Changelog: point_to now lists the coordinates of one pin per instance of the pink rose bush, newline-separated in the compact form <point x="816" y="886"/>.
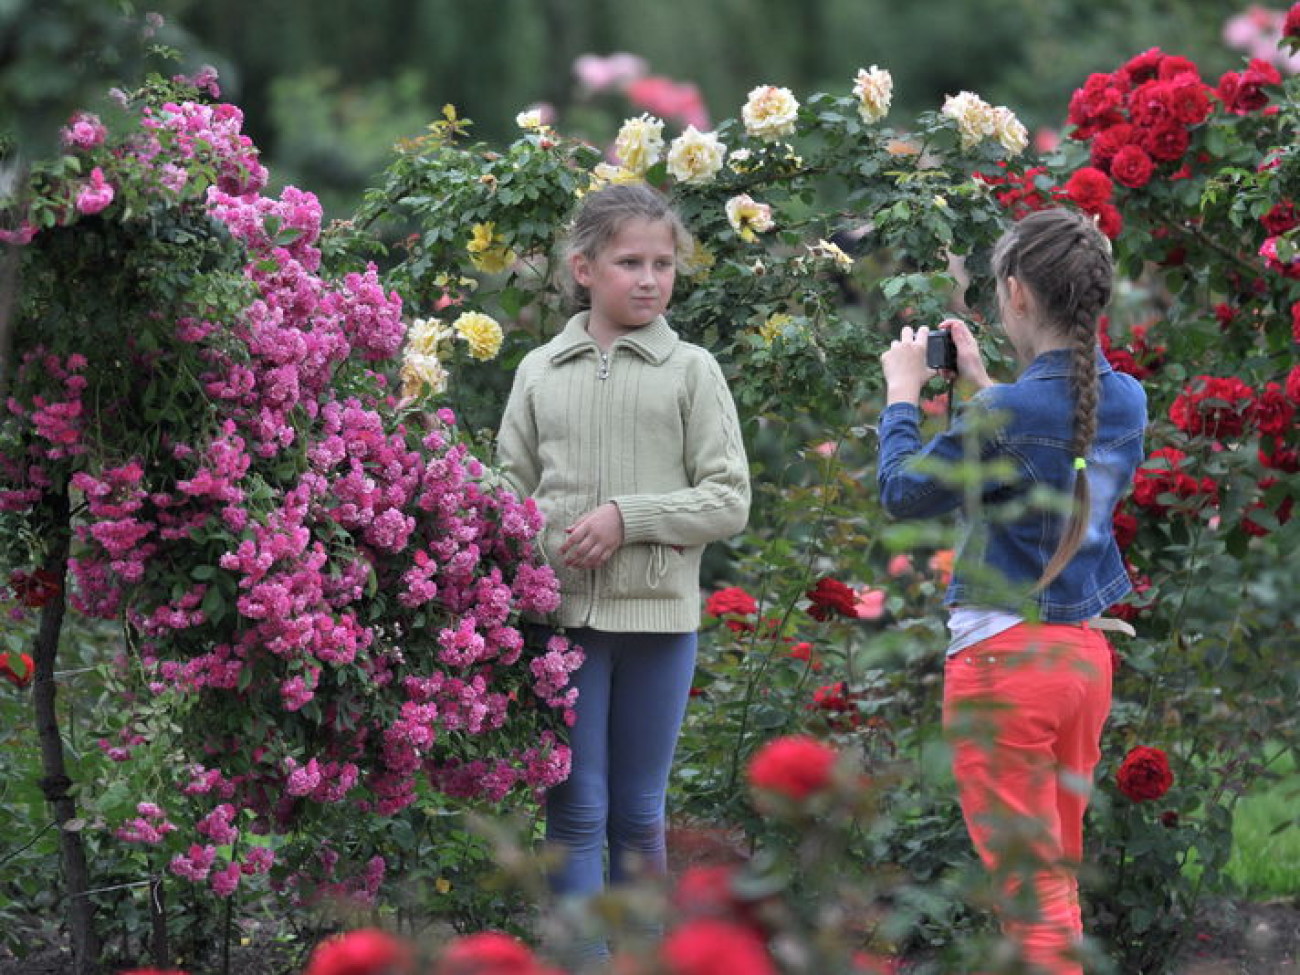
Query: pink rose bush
<point x="325" y="591"/>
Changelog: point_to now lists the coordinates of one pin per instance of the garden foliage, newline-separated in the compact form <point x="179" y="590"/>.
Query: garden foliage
<point x="318" y="583"/>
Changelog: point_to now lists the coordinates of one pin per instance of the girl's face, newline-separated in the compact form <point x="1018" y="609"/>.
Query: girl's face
<point x="631" y="278"/>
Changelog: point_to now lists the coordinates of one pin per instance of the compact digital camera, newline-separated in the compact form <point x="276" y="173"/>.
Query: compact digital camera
<point x="941" y="350"/>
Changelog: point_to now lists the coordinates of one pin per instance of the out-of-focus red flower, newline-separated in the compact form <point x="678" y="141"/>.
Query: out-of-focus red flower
<point x="1213" y="405"/>
<point x="16" y="668"/>
<point x="1144" y="774"/>
<point x="733" y="599"/>
<point x="366" y="951"/>
<point x="869" y="963"/>
<point x="1126" y="528"/>
<point x="490" y="953"/>
<point x="707" y="946"/>
<point x="34" y="589"/>
<point x="795" y="766"/>
<point x="830" y="597"/>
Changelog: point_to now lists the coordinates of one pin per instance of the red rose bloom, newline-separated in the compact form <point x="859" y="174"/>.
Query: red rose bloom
<point x="1132" y="167"/>
<point x="1279" y="219"/>
<point x="489" y="953"/>
<point x="1166" y="143"/>
<point x="795" y="766"/>
<point x="1110" y="141"/>
<point x="367" y="951"/>
<point x="1152" y="104"/>
<point x="1214" y="406"/>
<point x="1293" y="384"/>
<point x="709" y="945"/>
<point x="19" y="676"/>
<point x="1090" y="188"/>
<point x="830" y="596"/>
<point x="1126" y="528"/>
<point x="731" y="600"/>
<point x="1109" y="220"/>
<point x="1096" y="106"/>
<point x="34" y="589"/>
<point x="1291" y="27"/>
<point x="1144" y="774"/>
<point x="1272" y="413"/>
<point x="1143" y="67"/>
<point x="1161" y="476"/>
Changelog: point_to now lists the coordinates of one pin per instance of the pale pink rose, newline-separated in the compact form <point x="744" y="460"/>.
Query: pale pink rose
<point x="899" y="565"/>
<point x="597" y="73"/>
<point x="870" y="603"/>
<point x="826" y="449"/>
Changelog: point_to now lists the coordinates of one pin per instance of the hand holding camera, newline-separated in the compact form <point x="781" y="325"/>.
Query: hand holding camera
<point x="916" y="355"/>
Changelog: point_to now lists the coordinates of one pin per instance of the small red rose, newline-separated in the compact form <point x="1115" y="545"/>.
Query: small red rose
<point x="1144" y="774"/>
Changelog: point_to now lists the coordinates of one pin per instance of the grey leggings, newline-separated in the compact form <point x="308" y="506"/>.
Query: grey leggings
<point x="632" y="694"/>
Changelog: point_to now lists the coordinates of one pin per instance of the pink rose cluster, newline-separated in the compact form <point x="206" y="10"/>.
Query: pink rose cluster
<point x="295" y="553"/>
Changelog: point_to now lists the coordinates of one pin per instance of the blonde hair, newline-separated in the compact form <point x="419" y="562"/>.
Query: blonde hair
<point x="1065" y="262"/>
<point x="600" y="215"/>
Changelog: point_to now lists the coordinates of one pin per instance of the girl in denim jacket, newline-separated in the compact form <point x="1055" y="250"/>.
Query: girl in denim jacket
<point x="1027" y="681"/>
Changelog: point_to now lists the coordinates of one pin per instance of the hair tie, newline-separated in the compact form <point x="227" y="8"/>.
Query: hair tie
<point x="1080" y="464"/>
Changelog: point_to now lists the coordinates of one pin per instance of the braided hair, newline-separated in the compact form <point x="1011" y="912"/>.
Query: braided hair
<point x="1065" y="262"/>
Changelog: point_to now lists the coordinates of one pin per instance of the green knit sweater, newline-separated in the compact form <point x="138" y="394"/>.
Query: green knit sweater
<point x="651" y="427"/>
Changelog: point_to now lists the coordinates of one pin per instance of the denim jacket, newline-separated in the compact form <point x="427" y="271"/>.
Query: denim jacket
<point x="1027" y="426"/>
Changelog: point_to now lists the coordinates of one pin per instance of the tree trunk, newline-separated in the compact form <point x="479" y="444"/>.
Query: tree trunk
<point x="55" y="782"/>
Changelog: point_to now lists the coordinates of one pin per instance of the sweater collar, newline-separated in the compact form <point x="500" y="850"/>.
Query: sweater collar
<point x="654" y="342"/>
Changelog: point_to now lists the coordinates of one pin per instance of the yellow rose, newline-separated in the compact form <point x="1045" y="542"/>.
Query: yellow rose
<point x="487" y="250"/>
<point x="639" y="143"/>
<point x="774" y="326"/>
<point x="748" y="217"/>
<point x="481" y="332"/>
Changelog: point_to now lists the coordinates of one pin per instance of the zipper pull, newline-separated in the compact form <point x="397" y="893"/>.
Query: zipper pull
<point x="603" y="371"/>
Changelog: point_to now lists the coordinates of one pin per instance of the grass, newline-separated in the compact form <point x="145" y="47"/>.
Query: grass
<point x="1265" y="862"/>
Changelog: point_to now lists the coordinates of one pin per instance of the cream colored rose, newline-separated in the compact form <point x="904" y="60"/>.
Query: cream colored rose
<point x="695" y="157"/>
<point x="874" y="89"/>
<point x="426" y="335"/>
<point x="640" y="143"/>
<point x="747" y="217"/>
<point x="481" y="332"/>
<point x="770" y="112"/>
<point x="973" y="115"/>
<point x="420" y="371"/>
<point x="529" y="119"/>
<point x="1009" y="131"/>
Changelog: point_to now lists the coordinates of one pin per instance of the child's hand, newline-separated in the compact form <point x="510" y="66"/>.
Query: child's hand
<point x="970" y="364"/>
<point x="593" y="538"/>
<point x="904" y="363"/>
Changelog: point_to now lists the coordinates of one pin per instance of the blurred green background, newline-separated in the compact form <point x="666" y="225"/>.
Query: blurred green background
<point x="327" y="86"/>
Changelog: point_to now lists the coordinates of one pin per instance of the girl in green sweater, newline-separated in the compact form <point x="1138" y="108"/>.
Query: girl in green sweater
<point x="627" y="438"/>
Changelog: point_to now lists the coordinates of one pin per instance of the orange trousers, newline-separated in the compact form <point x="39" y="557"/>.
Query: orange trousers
<point x="1024" y="712"/>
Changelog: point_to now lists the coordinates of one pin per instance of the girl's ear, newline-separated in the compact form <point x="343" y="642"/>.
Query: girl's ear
<point x="580" y="268"/>
<point x="1018" y="295"/>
